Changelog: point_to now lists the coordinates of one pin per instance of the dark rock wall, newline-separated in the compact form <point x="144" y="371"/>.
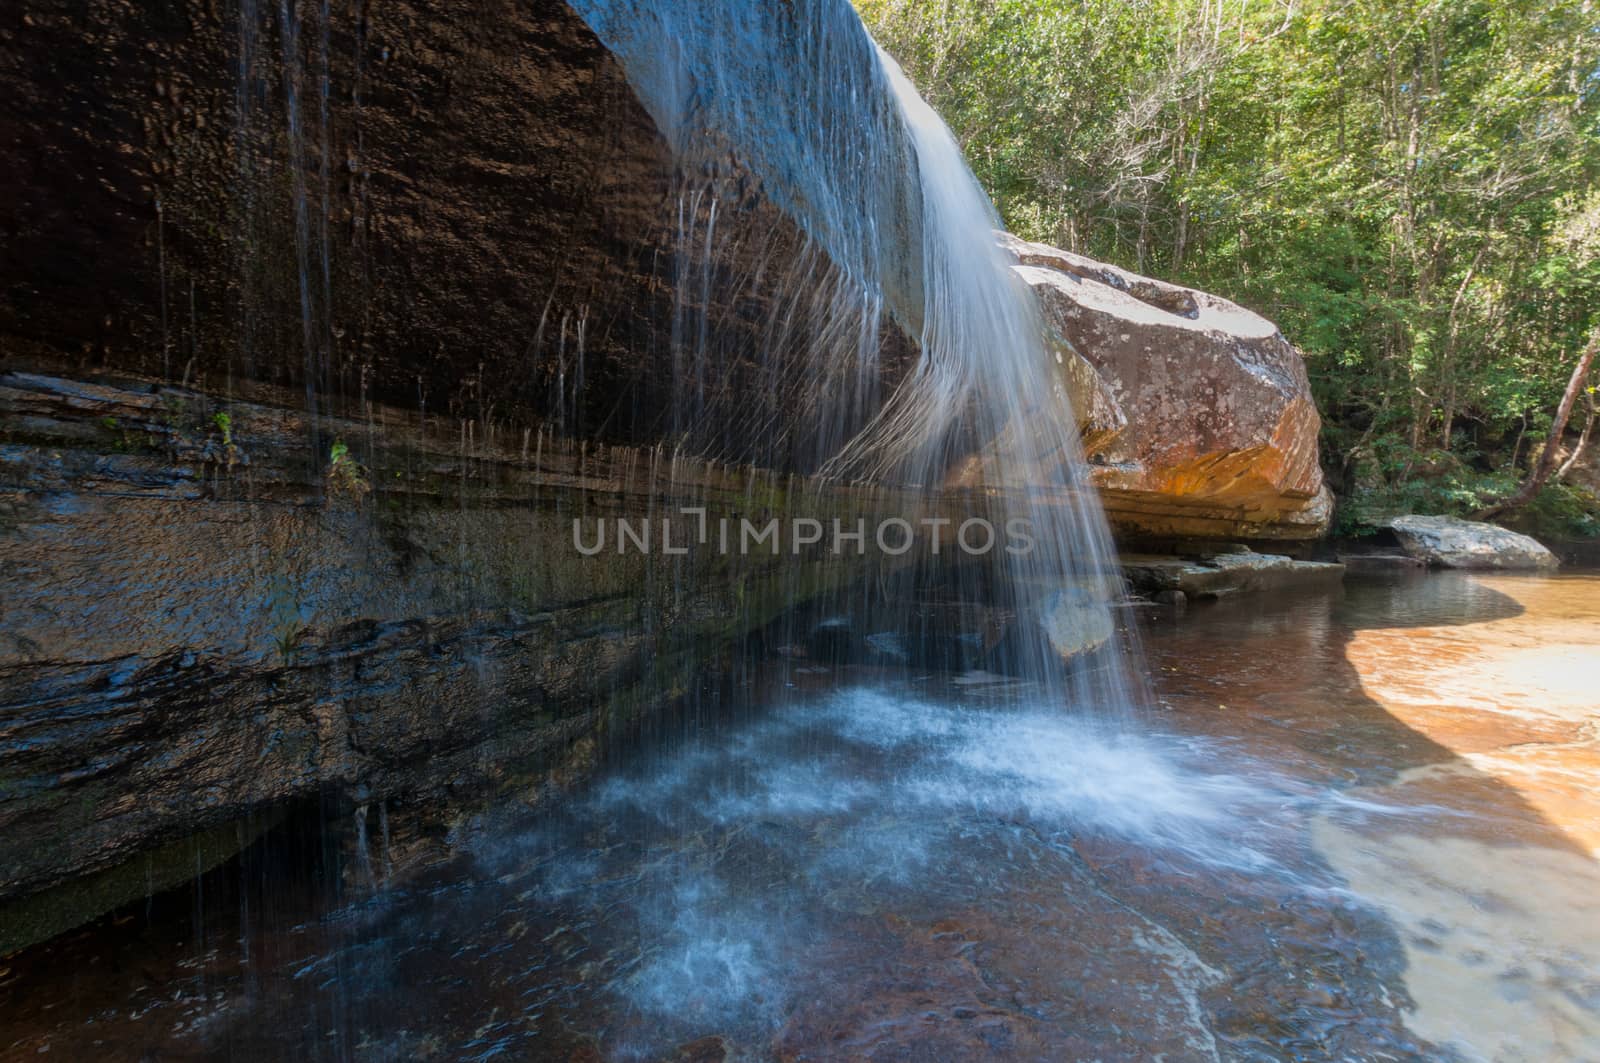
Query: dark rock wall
<point x="471" y="166"/>
<point x="447" y="239"/>
<point x="458" y="209"/>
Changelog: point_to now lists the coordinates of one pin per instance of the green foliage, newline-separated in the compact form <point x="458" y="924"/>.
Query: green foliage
<point x="1408" y="187"/>
<point x="345" y="474"/>
<point x="1562" y="511"/>
<point x="130" y="437"/>
<point x="230" y="454"/>
<point x="287" y="642"/>
<point x="286" y="614"/>
<point x="1395" y="479"/>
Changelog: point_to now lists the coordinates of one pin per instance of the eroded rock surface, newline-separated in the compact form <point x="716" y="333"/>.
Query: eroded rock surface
<point x="1196" y="413"/>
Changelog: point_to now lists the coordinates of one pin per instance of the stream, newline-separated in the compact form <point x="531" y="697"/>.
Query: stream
<point x="1354" y="825"/>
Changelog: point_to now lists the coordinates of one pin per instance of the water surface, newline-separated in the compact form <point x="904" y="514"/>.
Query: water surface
<point x="1356" y="826"/>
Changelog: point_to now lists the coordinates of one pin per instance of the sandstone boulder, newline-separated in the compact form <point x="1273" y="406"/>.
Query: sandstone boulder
<point x="1196" y="413"/>
<point x="1450" y="543"/>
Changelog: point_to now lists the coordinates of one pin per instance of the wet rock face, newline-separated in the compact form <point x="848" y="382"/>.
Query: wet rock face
<point x="1197" y="414"/>
<point x="1445" y="542"/>
<point x="463" y="211"/>
<point x="181" y="199"/>
<point x="201" y="618"/>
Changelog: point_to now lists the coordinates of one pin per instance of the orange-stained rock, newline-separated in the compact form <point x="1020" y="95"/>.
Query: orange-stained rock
<point x="1197" y="418"/>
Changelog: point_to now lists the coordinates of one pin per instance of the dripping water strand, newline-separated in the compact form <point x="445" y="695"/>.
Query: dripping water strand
<point x="292" y="78"/>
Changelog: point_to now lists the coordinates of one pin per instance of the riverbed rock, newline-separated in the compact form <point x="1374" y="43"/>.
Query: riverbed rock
<point x="1223" y="575"/>
<point x="1196" y="413"/>
<point x="1446" y="542"/>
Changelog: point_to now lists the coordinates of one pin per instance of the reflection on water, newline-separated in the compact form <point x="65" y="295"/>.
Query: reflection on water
<point x="1357" y="828"/>
<point x="1475" y="697"/>
<point x="1502" y="951"/>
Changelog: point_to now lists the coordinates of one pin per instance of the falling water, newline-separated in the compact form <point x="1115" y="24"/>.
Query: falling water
<point x="897" y="233"/>
<point x="246" y="91"/>
<point x="984" y="354"/>
<point x="821" y="144"/>
<point x="294" y="71"/>
<point x="161" y="252"/>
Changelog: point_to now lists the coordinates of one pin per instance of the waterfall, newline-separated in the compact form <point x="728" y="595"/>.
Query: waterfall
<point x="897" y="233"/>
<point x="746" y="100"/>
<point x="984" y="354"/>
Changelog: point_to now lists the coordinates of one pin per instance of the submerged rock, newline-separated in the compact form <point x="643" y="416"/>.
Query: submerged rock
<point x="1450" y="543"/>
<point x="1174" y="580"/>
<point x="1076" y="622"/>
<point x="1381" y="564"/>
<point x="1196" y="414"/>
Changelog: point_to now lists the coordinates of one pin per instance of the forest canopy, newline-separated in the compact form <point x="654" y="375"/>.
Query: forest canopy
<point x="1407" y="188"/>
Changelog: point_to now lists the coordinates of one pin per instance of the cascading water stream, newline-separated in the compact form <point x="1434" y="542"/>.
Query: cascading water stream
<point x="898" y="230"/>
<point x="984" y="356"/>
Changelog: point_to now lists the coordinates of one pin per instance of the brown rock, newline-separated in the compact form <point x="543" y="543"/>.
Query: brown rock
<point x="1198" y="418"/>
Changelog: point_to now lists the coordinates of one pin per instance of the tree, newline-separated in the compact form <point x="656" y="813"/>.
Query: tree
<point x="1546" y="464"/>
<point x="1393" y="181"/>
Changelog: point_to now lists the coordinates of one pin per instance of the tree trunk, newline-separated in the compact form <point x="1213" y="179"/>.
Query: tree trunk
<point x="1447" y="367"/>
<point x="1583" y="438"/>
<point x="1547" y="458"/>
